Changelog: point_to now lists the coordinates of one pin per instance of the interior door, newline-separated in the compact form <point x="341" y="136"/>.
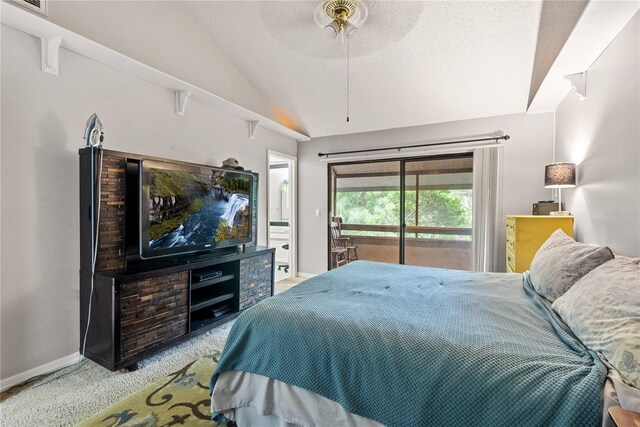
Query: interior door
<point x="281" y="214"/>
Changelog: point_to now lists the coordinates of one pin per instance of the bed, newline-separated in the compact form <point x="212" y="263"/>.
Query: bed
<point x="379" y="344"/>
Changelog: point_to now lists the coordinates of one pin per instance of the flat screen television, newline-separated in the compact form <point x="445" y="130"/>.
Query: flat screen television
<point x="186" y="208"/>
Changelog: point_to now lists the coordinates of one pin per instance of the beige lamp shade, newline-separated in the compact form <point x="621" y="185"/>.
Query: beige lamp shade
<point x="560" y="175"/>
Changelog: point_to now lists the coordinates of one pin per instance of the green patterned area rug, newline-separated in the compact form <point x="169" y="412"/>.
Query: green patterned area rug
<point x="181" y="398"/>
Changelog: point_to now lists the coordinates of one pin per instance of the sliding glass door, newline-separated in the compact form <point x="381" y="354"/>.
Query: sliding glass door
<point x="410" y="211"/>
<point x="438" y="206"/>
<point x="366" y="208"/>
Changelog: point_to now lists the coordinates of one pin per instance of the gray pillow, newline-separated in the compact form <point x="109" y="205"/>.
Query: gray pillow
<point x="561" y="261"/>
<point x="603" y="311"/>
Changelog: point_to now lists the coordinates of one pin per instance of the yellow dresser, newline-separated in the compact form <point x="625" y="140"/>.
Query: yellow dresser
<point x="525" y="235"/>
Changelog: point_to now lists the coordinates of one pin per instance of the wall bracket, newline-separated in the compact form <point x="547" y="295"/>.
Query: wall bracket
<point x="12" y="15"/>
<point x="181" y="101"/>
<point x="579" y="82"/>
<point x="50" y="54"/>
<point x="253" y="127"/>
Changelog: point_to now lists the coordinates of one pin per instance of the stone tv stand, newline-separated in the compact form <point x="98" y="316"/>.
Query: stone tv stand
<point x="140" y="307"/>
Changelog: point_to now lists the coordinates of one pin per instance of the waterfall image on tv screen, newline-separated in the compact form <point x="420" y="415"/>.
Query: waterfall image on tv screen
<point x="193" y="209"/>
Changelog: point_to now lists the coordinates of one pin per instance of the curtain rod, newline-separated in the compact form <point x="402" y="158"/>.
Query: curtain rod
<point x="370" y="150"/>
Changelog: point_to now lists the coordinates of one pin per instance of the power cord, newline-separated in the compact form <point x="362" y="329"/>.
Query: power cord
<point x="95" y="232"/>
<point x="76" y="368"/>
<point x="94" y="134"/>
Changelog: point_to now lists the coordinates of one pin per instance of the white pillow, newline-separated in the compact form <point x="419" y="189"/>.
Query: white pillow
<point x="603" y="311"/>
<point x="561" y="262"/>
<point x="633" y="260"/>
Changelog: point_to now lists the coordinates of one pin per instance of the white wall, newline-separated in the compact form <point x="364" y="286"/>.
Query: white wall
<point x="602" y="135"/>
<point x="525" y="155"/>
<point x="43" y="120"/>
<point x="165" y="36"/>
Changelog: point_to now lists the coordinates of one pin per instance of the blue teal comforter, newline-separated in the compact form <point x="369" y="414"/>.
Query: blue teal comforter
<point x="409" y="346"/>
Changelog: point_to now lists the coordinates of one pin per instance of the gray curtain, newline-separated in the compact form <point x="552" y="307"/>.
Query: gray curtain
<point x="487" y="207"/>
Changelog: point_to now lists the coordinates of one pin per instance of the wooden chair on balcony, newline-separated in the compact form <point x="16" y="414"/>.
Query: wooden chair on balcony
<point x="342" y="242"/>
<point x="339" y="254"/>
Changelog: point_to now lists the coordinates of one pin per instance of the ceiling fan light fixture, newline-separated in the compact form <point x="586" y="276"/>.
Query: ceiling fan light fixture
<point x="340" y="37"/>
<point x="332" y="30"/>
<point x="349" y="30"/>
<point x="343" y="16"/>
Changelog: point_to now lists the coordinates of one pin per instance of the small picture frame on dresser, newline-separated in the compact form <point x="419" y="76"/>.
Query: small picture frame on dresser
<point x="545" y="208"/>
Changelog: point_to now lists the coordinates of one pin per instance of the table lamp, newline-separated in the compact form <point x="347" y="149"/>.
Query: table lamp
<point x="560" y="175"/>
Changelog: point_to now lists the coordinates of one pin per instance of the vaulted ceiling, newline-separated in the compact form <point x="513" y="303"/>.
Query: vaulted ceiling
<point x="412" y="63"/>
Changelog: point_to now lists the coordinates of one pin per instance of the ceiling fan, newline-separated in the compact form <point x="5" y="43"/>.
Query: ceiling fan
<point x="340" y="18"/>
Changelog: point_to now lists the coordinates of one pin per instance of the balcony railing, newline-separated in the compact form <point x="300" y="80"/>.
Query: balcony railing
<point x="410" y="229"/>
<point x="422" y="245"/>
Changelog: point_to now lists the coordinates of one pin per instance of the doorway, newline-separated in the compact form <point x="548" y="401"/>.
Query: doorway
<point x="281" y="208"/>
<point x="415" y="211"/>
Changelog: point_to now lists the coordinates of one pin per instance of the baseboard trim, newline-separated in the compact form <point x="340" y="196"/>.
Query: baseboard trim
<point x="47" y="368"/>
<point x="306" y="275"/>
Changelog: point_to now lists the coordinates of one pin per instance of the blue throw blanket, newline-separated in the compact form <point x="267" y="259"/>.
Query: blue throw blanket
<point x="409" y="346"/>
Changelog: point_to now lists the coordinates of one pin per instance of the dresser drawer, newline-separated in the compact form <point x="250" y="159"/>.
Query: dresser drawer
<point x="511" y="230"/>
<point x="525" y="235"/>
<point x="511" y="259"/>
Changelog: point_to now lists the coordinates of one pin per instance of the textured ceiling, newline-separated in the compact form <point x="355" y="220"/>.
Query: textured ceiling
<point x="557" y="20"/>
<point x="412" y="63"/>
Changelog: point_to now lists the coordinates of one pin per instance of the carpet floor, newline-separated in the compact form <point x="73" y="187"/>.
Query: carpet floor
<point x="78" y="392"/>
<point x="180" y="398"/>
<point x="73" y="394"/>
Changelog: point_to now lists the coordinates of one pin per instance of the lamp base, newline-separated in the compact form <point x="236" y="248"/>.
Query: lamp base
<point x="560" y="213"/>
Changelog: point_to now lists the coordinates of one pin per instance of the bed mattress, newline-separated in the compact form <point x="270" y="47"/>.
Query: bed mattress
<point x="404" y="345"/>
